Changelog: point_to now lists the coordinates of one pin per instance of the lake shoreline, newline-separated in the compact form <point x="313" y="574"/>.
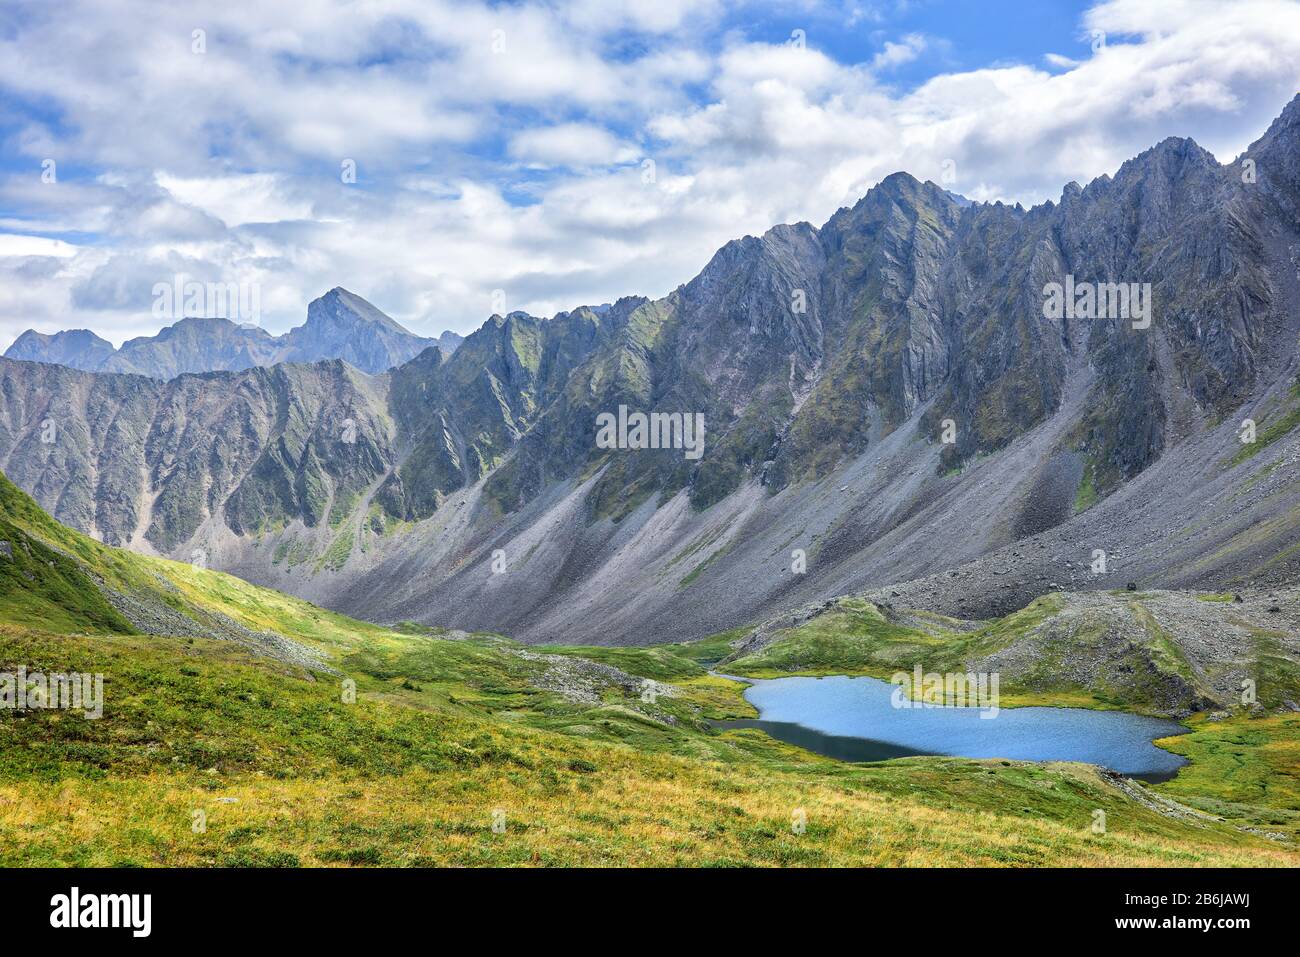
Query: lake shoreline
<point x="857" y="719"/>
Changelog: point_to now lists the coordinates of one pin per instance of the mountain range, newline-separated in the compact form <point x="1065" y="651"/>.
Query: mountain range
<point x="340" y="325"/>
<point x="889" y="403"/>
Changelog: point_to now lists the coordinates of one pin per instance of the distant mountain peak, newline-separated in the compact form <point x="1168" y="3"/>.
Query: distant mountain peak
<point x="60" y="347"/>
<point x="340" y="325"/>
<point x="958" y="198"/>
<point x="449" y="341"/>
<point x="340" y="305"/>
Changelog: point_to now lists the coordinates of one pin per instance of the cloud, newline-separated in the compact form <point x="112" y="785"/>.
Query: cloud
<point x="1059" y="61"/>
<point x="577" y="145"/>
<point x="659" y="16"/>
<point x="16" y="245"/>
<point x="238" y="199"/>
<point x="896" y="54"/>
<point x="502" y="146"/>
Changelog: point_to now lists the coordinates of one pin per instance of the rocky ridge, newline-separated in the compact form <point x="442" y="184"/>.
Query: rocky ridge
<point x="831" y="365"/>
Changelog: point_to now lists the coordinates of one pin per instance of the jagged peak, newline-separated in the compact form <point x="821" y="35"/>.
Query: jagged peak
<point x="630" y="302"/>
<point x="786" y="230"/>
<point x="1285" y="129"/>
<point x="905" y="189"/>
<point x="897" y="180"/>
<point x="318" y="310"/>
<point x="1171" y="155"/>
<point x="60" y="334"/>
<point x="498" y="321"/>
<point x="430" y="355"/>
<point x="1290" y="115"/>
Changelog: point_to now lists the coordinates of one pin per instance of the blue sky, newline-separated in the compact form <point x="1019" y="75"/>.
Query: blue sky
<point x="553" y="154"/>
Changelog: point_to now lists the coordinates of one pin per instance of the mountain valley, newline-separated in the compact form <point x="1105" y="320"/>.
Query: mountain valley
<point x="886" y="406"/>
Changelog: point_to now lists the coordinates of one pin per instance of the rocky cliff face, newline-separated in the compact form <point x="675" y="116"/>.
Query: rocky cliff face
<point x="886" y="399"/>
<point x="340" y="325"/>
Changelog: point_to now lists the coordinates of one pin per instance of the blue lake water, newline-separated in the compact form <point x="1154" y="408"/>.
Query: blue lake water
<point x="853" y="719"/>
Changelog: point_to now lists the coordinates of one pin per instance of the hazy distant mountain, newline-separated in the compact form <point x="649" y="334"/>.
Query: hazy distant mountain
<point x="449" y="342"/>
<point x="340" y="325"/>
<point x="888" y="399"/>
<point x="194" y="345"/>
<point x="78" y="348"/>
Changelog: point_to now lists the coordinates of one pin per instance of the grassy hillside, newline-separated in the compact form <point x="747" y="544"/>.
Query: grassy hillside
<point x="58" y="579"/>
<point x="45" y="570"/>
<point x="580" y="756"/>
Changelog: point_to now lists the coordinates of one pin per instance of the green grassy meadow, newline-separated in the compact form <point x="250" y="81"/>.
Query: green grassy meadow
<point x="409" y="746"/>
